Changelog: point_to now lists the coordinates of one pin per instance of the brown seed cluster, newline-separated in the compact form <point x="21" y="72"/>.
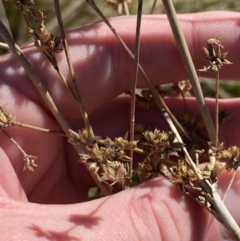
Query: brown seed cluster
<point x="108" y="159"/>
<point x="49" y="43"/>
<point x="182" y="88"/>
<point x="191" y="124"/>
<point x="160" y="146"/>
<point x="29" y="162"/>
<point x="231" y="157"/>
<point x="214" y="55"/>
<point x="6" y="119"/>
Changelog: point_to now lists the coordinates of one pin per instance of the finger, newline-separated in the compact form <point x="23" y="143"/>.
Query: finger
<point x="103" y="68"/>
<point x="10" y="186"/>
<point x="113" y="118"/>
<point x="155" y="210"/>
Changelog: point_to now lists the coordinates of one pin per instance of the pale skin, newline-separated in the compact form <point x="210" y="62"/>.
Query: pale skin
<point x="155" y="210"/>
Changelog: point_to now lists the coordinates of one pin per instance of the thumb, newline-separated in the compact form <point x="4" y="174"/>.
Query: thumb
<point x="155" y="210"/>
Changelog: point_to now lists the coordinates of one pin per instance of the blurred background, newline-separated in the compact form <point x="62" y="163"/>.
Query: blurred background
<point x="78" y="12"/>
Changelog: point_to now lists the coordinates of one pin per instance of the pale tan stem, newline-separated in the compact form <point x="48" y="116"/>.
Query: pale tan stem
<point x="15" y="143"/>
<point x="153" y="6"/>
<point x="217" y="110"/>
<point x="134" y="82"/>
<point x="126" y="8"/>
<point x="36" y="128"/>
<point x="229" y="185"/>
<point x="189" y="66"/>
<point x="77" y="93"/>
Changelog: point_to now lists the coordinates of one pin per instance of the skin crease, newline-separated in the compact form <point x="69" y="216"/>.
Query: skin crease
<point x="32" y="204"/>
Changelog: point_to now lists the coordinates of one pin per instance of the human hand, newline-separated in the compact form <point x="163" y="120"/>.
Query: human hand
<point x="155" y="210"/>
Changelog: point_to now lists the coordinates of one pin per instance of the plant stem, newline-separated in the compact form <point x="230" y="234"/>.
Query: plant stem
<point x="36" y="128"/>
<point x="17" y="145"/>
<point x="126" y="8"/>
<point x="134" y="82"/>
<point x="187" y="61"/>
<point x="229" y="185"/>
<point x="153" y="6"/>
<point x="217" y="110"/>
<point x="71" y="70"/>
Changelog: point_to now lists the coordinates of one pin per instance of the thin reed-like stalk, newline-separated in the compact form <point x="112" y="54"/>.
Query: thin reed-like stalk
<point x="134" y="82"/>
<point x="36" y="128"/>
<point x="77" y="93"/>
<point x="188" y="63"/>
<point x="153" y="6"/>
<point x="15" y="143"/>
<point x="126" y="8"/>
<point x="229" y="185"/>
<point x="217" y="110"/>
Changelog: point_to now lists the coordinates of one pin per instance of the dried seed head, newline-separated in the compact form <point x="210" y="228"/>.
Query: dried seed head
<point x="231" y="157"/>
<point x="48" y="43"/>
<point x="38" y="15"/>
<point x="115" y="175"/>
<point x="183" y="174"/>
<point x="182" y="87"/>
<point x="190" y="123"/>
<point x="94" y="167"/>
<point x="29" y="162"/>
<point x="216" y="150"/>
<point x="211" y="172"/>
<point x="6" y="119"/>
<point x="139" y="129"/>
<point x="224" y="116"/>
<point x="214" y="55"/>
<point x="152" y="167"/>
<point x="146" y="100"/>
<point x="163" y="143"/>
<point x="85" y="139"/>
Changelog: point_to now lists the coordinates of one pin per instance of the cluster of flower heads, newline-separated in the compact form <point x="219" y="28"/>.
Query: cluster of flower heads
<point x="108" y="159"/>
<point x="6" y="119"/>
<point x="49" y="43"/>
